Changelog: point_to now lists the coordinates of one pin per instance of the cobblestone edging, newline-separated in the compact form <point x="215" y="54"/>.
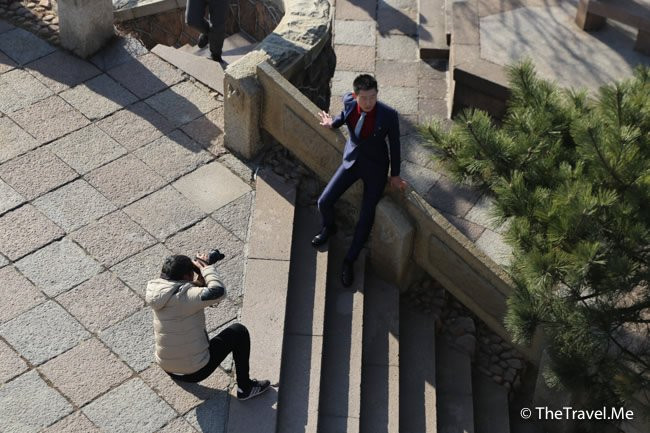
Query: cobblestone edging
<point x="39" y="17"/>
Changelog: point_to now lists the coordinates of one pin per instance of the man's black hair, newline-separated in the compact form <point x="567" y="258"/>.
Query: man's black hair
<point x="176" y="267"/>
<point x="364" y="82"/>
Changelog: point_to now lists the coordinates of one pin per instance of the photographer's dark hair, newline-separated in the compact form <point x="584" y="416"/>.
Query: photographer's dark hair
<point x="364" y="82"/>
<point x="176" y="267"/>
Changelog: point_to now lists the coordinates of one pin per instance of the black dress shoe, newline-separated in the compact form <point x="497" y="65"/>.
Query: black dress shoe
<point x="203" y="40"/>
<point x="347" y="275"/>
<point x="323" y="236"/>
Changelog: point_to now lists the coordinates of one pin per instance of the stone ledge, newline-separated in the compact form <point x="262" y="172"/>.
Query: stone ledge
<point x="128" y="10"/>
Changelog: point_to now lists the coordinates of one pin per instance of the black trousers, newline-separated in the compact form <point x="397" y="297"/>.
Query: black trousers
<point x="235" y="339"/>
<point x="215" y="28"/>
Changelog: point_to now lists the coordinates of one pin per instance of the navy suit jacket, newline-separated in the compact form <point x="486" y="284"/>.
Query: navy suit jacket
<point x="372" y="148"/>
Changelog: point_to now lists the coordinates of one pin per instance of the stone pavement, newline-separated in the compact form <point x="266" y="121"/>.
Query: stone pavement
<point x="106" y="167"/>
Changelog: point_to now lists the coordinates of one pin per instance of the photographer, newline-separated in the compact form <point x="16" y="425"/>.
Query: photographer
<point x="183" y="349"/>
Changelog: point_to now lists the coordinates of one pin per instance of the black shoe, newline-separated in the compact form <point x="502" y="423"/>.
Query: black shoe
<point x="217" y="58"/>
<point x="257" y="387"/>
<point x="323" y="236"/>
<point x="347" y="275"/>
<point x="202" y="41"/>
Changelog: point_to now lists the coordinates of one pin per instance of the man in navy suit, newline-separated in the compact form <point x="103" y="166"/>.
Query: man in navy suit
<point x="366" y="157"/>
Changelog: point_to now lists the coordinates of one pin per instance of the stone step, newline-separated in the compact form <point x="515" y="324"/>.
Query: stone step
<point x="340" y="398"/>
<point x="432" y="30"/>
<point x="235" y="47"/>
<point x="380" y="379"/>
<point x="303" y="341"/>
<point x="455" y="407"/>
<point x="491" y="413"/>
<point x="203" y="69"/>
<point x="266" y="282"/>
<point x="417" y="373"/>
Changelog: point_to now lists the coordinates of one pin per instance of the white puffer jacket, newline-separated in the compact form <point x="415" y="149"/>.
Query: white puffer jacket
<point x="182" y="345"/>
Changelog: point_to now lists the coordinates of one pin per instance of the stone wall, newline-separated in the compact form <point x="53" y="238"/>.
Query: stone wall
<point x="314" y="82"/>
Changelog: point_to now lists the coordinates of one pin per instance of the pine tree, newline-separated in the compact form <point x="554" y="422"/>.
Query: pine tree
<point x="571" y="174"/>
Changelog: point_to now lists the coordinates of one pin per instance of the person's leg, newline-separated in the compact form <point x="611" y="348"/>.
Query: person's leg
<point x="195" y="15"/>
<point x="218" y="11"/>
<point x="373" y="189"/>
<point x="338" y="184"/>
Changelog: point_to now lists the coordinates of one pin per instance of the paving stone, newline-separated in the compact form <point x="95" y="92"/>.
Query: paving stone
<point x="135" y="126"/>
<point x="35" y="173"/>
<point x="432" y="89"/>
<point x="397" y="47"/>
<point x="415" y="150"/>
<point x="13" y="140"/>
<point x="18" y="294"/>
<point x="164" y="212"/>
<point x="185" y="396"/>
<point x="207" y="130"/>
<point x="5" y="26"/>
<point x="408" y="123"/>
<point x="100" y="302"/>
<point x="9" y="198"/>
<point x="402" y="20"/>
<point x="131" y="407"/>
<point x="27" y="404"/>
<point x="11" y="365"/>
<point x="74" y="205"/>
<point x="23" y="47"/>
<point x="452" y="198"/>
<point x="222" y="313"/>
<point x="355" y="58"/>
<point x="471" y="230"/>
<point x="183" y="103"/>
<point x="75" y="423"/>
<point x="58" y="267"/>
<point x="420" y="178"/>
<point x="231" y="273"/>
<point x="118" y="51"/>
<point x="18" y="90"/>
<point x="113" y="238"/>
<point x="6" y="64"/>
<point x="357" y="10"/>
<point x="99" y="97"/>
<point x="3" y="261"/>
<point x="354" y="33"/>
<point x="137" y="270"/>
<point x="43" y="332"/>
<point x="49" y="119"/>
<point x="87" y="149"/>
<point x="211" y="187"/>
<point x="402" y="99"/>
<point x="125" y="180"/>
<point x="178" y="425"/>
<point x="242" y="169"/>
<point x="173" y="155"/>
<point x="481" y="212"/>
<point x="432" y="110"/>
<point x="235" y="216"/>
<point x="96" y="370"/>
<point x="29" y="230"/>
<point x="132" y="339"/>
<point x="211" y="416"/>
<point x="396" y="74"/>
<point x="60" y="70"/>
<point x="146" y="75"/>
<point x="495" y="247"/>
<point x="342" y="82"/>
<point x="203" y="236"/>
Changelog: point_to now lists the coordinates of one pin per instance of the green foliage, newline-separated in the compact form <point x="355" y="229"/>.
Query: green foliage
<point x="571" y="173"/>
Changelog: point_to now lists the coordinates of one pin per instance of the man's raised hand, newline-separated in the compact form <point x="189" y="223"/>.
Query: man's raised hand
<point x="325" y="119"/>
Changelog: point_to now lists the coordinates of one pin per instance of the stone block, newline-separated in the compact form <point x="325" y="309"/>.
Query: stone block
<point x="222" y="313"/>
<point x="357" y="10"/>
<point x="452" y="198"/>
<point x="211" y="187"/>
<point x="6" y="64"/>
<point x="208" y="130"/>
<point x="28" y="404"/>
<point x="9" y="199"/>
<point x="131" y="407"/>
<point x="397" y="47"/>
<point x="18" y="89"/>
<point x="137" y="270"/>
<point x="342" y="84"/>
<point x="420" y="178"/>
<point x="178" y="425"/>
<point x="183" y="396"/>
<point x="49" y="119"/>
<point x="98" y="97"/>
<point x="18" y="294"/>
<point x="113" y="238"/>
<point x="135" y="126"/>
<point x="471" y="230"/>
<point x="95" y="371"/>
<point x="183" y="102"/>
<point x="396" y="74"/>
<point x="11" y="365"/>
<point x="383" y="382"/>
<point x="400" y="21"/>
<point x="354" y="33"/>
<point x="132" y="339"/>
<point x="482" y="212"/>
<point x="23" y="46"/>
<point x="125" y="180"/>
<point x="85" y="25"/>
<point x="402" y="99"/>
<point x="86" y="149"/>
<point x="242" y="107"/>
<point x="465" y="23"/>
<point x="5" y="26"/>
<point x="203" y="236"/>
<point x="29" y="230"/>
<point x="391" y="243"/>
<point x="118" y="51"/>
<point x="100" y="302"/>
<point x="13" y="140"/>
<point x="146" y="75"/>
<point x="75" y="423"/>
<point x="211" y="415"/>
<point x="495" y="247"/>
<point x="359" y="58"/>
<point x="58" y="267"/>
<point x="173" y="155"/>
<point x="235" y="216"/>
<point x="244" y="170"/>
<point x="60" y="71"/>
<point x="43" y="332"/>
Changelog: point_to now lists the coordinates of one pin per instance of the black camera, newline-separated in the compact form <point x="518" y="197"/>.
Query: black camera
<point x="214" y="256"/>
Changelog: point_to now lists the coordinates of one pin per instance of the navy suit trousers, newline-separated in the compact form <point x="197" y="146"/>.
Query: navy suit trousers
<point x="374" y="181"/>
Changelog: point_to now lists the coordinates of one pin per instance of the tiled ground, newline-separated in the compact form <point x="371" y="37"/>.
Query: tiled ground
<point x="100" y="179"/>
